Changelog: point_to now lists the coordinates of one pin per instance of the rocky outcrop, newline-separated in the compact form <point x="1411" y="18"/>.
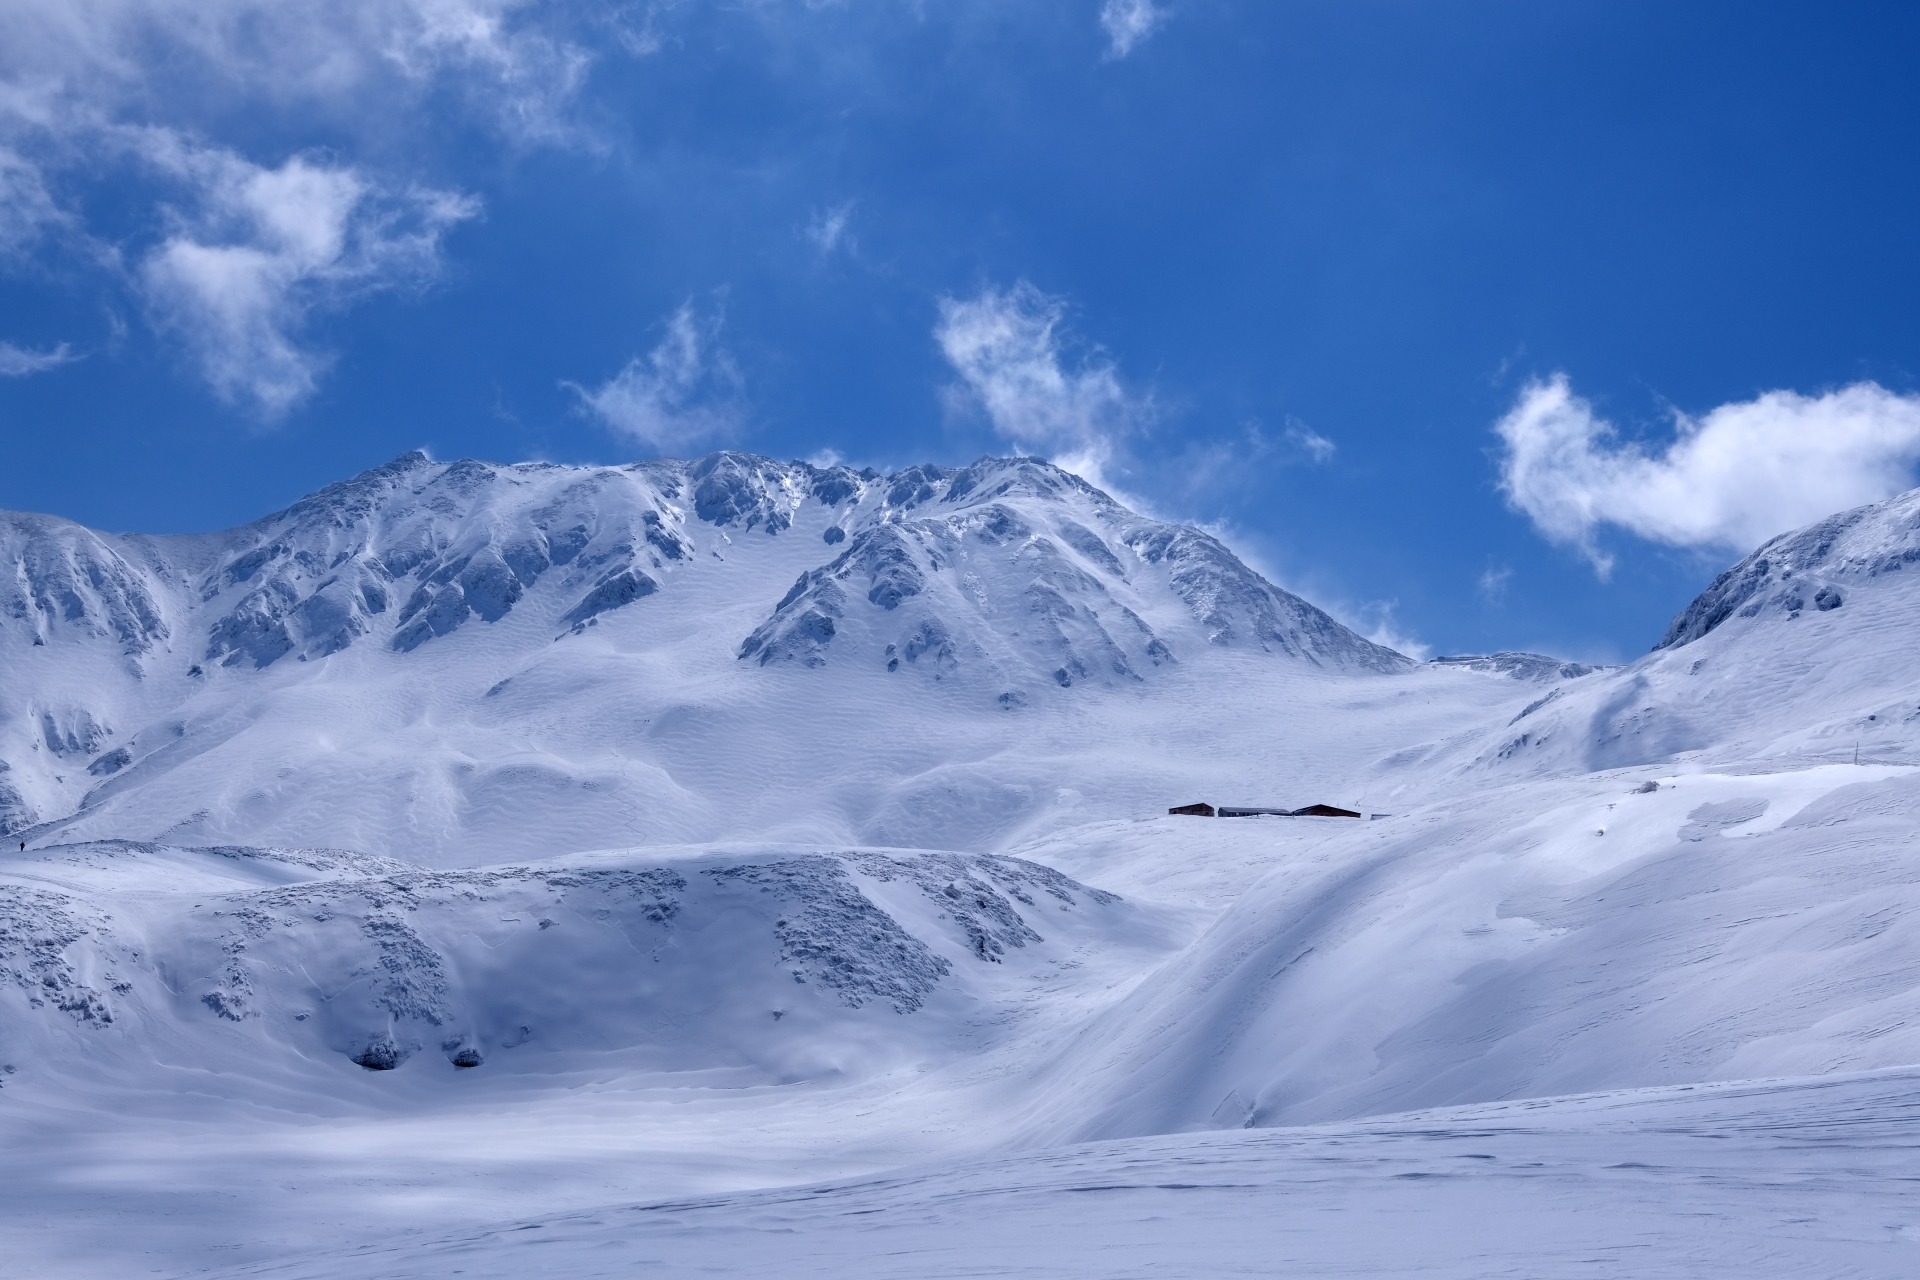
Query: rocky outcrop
<point x="1810" y="569"/>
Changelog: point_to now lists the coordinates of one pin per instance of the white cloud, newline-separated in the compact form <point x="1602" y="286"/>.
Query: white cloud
<point x="685" y="391"/>
<point x="19" y="362"/>
<point x="125" y="60"/>
<point x="26" y="206"/>
<point x="828" y="229"/>
<point x="94" y="90"/>
<point x="1731" y="479"/>
<point x="264" y="248"/>
<point x="1311" y="442"/>
<point x="1493" y="583"/>
<point x="1006" y="346"/>
<point x="1127" y="23"/>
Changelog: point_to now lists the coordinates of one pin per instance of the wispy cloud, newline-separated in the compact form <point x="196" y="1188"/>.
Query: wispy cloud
<point x="1731" y="479"/>
<point x="685" y="391"/>
<point x="828" y="229"/>
<point x="1007" y="346"/>
<point x="27" y="208"/>
<point x="1375" y="620"/>
<point x="1127" y="23"/>
<point x="19" y="362"/>
<point x="259" y="250"/>
<point x="1493" y="583"/>
<point x="1310" y="442"/>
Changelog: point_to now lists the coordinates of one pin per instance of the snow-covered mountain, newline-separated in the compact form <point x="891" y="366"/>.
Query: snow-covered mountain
<point x="1801" y="653"/>
<point x="207" y="687"/>
<point x="725" y="824"/>
<point x="1015" y="563"/>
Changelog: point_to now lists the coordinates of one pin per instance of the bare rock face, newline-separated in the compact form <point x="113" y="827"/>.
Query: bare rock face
<point x="1535" y="667"/>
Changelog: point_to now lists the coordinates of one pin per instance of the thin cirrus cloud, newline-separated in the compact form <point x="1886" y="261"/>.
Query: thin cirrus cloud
<point x="21" y="362"/>
<point x="1127" y="23"/>
<point x="1310" y="442"/>
<point x="1008" y="346"/>
<point x="685" y="392"/>
<point x="24" y="361"/>
<point x="1732" y="478"/>
<point x="252" y="248"/>
<point x="27" y="208"/>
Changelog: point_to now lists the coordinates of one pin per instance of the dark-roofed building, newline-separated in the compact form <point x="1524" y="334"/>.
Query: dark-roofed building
<point x="1201" y="810"/>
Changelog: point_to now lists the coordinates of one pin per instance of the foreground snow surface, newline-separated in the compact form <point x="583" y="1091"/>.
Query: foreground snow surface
<point x="1789" y="1179"/>
<point x="678" y="1027"/>
<point x="1776" y="1178"/>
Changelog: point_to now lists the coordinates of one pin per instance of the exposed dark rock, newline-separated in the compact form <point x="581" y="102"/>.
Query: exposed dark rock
<point x="832" y="934"/>
<point x="613" y="592"/>
<point x="112" y="762"/>
<point x="380" y="1054"/>
<point x="1521" y="666"/>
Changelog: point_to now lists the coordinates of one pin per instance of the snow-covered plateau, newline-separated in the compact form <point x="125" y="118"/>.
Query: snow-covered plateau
<point x="738" y="867"/>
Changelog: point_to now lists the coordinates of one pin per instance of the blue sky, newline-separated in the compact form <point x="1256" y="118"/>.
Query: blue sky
<point x="1483" y="324"/>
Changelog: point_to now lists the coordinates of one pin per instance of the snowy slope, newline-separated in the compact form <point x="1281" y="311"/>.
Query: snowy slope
<point x="1671" y="871"/>
<point x="301" y="969"/>
<point x="1800" y="653"/>
<point x="1533" y="940"/>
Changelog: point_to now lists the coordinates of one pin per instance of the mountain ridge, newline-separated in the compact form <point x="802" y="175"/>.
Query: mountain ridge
<point x="457" y="575"/>
<point x="1003" y="580"/>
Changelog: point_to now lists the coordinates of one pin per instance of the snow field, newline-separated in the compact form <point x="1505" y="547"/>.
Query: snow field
<point x="305" y="973"/>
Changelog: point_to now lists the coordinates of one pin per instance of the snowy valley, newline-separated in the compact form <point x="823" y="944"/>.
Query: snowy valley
<point x="471" y="855"/>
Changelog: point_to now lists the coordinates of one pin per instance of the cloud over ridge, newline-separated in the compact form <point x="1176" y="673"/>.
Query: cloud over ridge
<point x="1007" y="346"/>
<point x="685" y="391"/>
<point x="1731" y="479"/>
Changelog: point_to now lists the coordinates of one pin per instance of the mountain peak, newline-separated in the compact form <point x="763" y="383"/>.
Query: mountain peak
<point x="1010" y="582"/>
<point x="1813" y="568"/>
